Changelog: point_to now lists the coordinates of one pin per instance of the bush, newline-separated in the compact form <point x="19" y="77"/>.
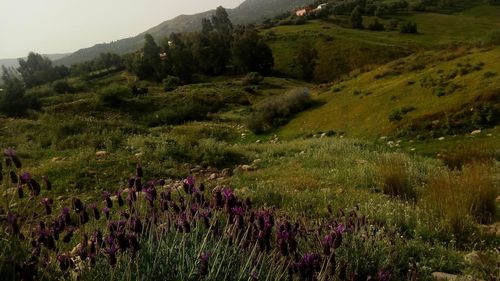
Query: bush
<point x="408" y="28"/>
<point x="395" y="177"/>
<point x="376" y="26"/>
<point x="458" y="197"/>
<point x="464" y="155"/>
<point x="398" y="114"/>
<point x="276" y="111"/>
<point x="62" y="87"/>
<point x="113" y="95"/>
<point x="171" y="83"/>
<point x="252" y="78"/>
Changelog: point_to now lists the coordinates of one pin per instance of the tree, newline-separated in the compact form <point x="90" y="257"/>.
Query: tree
<point x="356" y="18"/>
<point x="306" y="59"/>
<point x="36" y="70"/>
<point x="13" y="101"/>
<point x="250" y="52"/>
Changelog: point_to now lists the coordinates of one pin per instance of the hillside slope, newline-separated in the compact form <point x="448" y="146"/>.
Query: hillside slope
<point x="248" y="12"/>
<point x="420" y="93"/>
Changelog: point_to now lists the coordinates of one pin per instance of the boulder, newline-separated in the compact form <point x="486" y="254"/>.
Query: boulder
<point x="475" y="132"/>
<point x="247" y="168"/>
<point x="101" y="153"/>
<point x="226" y="173"/>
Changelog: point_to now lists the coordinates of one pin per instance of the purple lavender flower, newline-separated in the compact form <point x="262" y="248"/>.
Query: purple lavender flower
<point x="25" y="177"/>
<point x="204" y="258"/>
<point x="308" y="266"/>
<point x="105" y="210"/>
<point x="384" y="275"/>
<point x="119" y="198"/>
<point x="69" y="234"/>
<point x="11" y="154"/>
<point x="65" y="262"/>
<point x="106" y="195"/>
<point x="138" y="171"/>
<point x="12" y="222"/>
<point x="95" y="211"/>
<point x="47" y="183"/>
<point x="77" y="205"/>
<point x="111" y="252"/>
<point x="47" y="203"/>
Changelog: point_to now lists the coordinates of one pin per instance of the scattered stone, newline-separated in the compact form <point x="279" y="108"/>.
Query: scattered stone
<point x="139" y="154"/>
<point x="257" y="161"/>
<point x="476" y="132"/>
<point x="383" y="137"/>
<point x="390" y="143"/>
<point x="412" y="149"/>
<point x="56" y="159"/>
<point x="489" y="135"/>
<point x="474" y="257"/>
<point x="441" y="276"/>
<point x="247" y="168"/>
<point x="258" y="141"/>
<point x="196" y="169"/>
<point x="302" y="152"/>
<point x="226" y="173"/>
<point x="323" y="135"/>
<point x="101" y="153"/>
<point x="441" y="138"/>
<point x="212" y="176"/>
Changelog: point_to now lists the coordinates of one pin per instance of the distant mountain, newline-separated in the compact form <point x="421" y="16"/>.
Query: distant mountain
<point x="248" y="12"/>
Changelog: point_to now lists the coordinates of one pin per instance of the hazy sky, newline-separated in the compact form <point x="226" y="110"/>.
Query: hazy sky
<point x="61" y="26"/>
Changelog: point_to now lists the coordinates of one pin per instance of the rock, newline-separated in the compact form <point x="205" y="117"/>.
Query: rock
<point x="226" y="173"/>
<point x="247" y="168"/>
<point x="323" y="135"/>
<point x="101" y="153"/>
<point x="257" y="161"/>
<point x="56" y="159"/>
<point x="475" y="132"/>
<point x="441" y="276"/>
<point x="412" y="149"/>
<point x="441" y="138"/>
<point x="258" y="141"/>
<point x="474" y="257"/>
<point x="139" y="154"/>
<point x="213" y="176"/>
<point x="302" y="152"/>
<point x="196" y="169"/>
<point x="383" y="137"/>
<point x="390" y="143"/>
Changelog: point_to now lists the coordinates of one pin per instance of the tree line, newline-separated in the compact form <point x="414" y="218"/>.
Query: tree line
<point x="218" y="48"/>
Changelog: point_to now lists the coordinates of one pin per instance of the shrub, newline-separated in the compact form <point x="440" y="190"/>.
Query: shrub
<point x="275" y="111"/>
<point x="113" y="95"/>
<point x="376" y="26"/>
<point x="395" y="177"/>
<point x="408" y="28"/>
<point x="457" y="158"/>
<point x="398" y="114"/>
<point x="62" y="87"/>
<point x="252" y="78"/>
<point x="458" y="197"/>
<point x="170" y="83"/>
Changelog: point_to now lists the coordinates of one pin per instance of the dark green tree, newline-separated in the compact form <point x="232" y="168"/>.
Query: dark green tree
<point x="180" y="57"/>
<point x="13" y="101"/>
<point x="306" y="60"/>
<point x="250" y="52"/>
<point x="356" y="18"/>
<point x="36" y="70"/>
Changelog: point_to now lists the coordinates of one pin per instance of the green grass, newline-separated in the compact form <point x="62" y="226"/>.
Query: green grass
<point x="342" y="50"/>
<point x="361" y="106"/>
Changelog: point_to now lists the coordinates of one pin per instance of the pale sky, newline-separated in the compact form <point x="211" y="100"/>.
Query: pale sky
<point x="62" y="26"/>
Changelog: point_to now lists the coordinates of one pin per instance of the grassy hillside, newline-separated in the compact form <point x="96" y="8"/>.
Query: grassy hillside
<point x="429" y="82"/>
<point x="342" y="49"/>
